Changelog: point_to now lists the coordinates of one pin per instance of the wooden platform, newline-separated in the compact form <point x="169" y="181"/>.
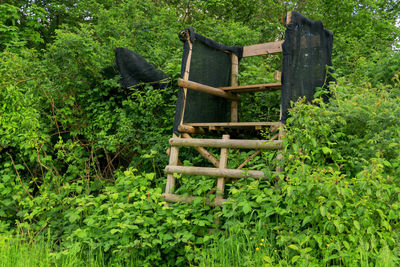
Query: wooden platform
<point x="227" y="126"/>
<point x="253" y="88"/>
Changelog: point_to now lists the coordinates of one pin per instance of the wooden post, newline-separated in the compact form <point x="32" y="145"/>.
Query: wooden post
<point x="223" y="161"/>
<point x="234" y="82"/>
<point x="173" y="161"/>
<point x="186" y="74"/>
<point x="289" y="18"/>
<point x="279" y="157"/>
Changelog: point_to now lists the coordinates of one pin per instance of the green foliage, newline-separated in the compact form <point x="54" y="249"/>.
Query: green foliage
<point x="81" y="159"/>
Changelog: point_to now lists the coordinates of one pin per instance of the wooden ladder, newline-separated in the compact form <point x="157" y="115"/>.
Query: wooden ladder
<point x="220" y="170"/>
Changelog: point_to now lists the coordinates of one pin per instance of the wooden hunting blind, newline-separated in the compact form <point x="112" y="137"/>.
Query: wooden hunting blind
<point x="209" y="97"/>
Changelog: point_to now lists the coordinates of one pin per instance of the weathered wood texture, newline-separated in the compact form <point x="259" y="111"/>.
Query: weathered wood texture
<point x="214" y="172"/>
<point x="255" y="154"/>
<point x="201" y="128"/>
<point x="234" y="82"/>
<point x="186" y="74"/>
<point x="207" y="89"/>
<point x="223" y="162"/>
<point x="278" y="75"/>
<point x="262" y="49"/>
<point x="252" y="88"/>
<point x="173" y="160"/>
<point x="232" y="143"/>
<point x="234" y="124"/>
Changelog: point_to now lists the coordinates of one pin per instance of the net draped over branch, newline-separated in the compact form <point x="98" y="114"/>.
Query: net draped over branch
<point x="307" y="51"/>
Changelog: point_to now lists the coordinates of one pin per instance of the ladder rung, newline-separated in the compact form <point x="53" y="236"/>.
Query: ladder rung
<point x="229" y="173"/>
<point x="230" y="143"/>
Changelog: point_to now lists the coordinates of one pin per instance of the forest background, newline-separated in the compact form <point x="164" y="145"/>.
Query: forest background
<point x="81" y="160"/>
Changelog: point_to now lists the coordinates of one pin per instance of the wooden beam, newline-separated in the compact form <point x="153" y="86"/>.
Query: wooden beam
<point x="214" y="172"/>
<point x="252" y="88"/>
<point x="186" y="75"/>
<point x="169" y="153"/>
<point x="173" y="160"/>
<point x="255" y="154"/>
<point x="289" y="18"/>
<point x="207" y="155"/>
<point x="233" y="124"/>
<point x="189" y="199"/>
<point x="234" y="82"/>
<point x="207" y="89"/>
<point x="199" y="128"/>
<point x="279" y="157"/>
<point x="189" y="129"/>
<point x="262" y="49"/>
<point x="232" y="143"/>
<point x="223" y="161"/>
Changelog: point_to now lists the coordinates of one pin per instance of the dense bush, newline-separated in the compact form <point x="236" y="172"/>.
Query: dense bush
<point x="81" y="159"/>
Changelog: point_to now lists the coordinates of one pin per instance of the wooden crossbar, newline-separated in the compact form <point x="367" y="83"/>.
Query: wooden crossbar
<point x="214" y="172"/>
<point x="234" y="124"/>
<point x="252" y="88"/>
<point x="262" y="49"/>
<point x="207" y="89"/>
<point x="231" y="143"/>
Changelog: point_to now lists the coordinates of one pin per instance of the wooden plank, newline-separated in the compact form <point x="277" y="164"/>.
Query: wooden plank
<point x="233" y="124"/>
<point x="234" y="82"/>
<point x="223" y="128"/>
<point x="207" y="155"/>
<point x="207" y="89"/>
<point x="231" y="143"/>
<point x="252" y="88"/>
<point x="223" y="161"/>
<point x="214" y="172"/>
<point x="262" y="49"/>
<point x="189" y="199"/>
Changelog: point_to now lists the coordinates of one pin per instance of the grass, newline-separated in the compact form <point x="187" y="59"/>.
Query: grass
<point x="239" y="248"/>
<point x="18" y="252"/>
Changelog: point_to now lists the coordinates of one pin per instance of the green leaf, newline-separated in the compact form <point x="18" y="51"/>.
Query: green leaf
<point x="113" y="231"/>
<point x="322" y="209"/>
<point x="74" y="217"/>
<point x="295" y="258"/>
<point x="326" y="150"/>
<point x="356" y="225"/>
<point x="246" y="207"/>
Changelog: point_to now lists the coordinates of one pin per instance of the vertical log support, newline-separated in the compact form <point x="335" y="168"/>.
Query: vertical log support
<point x="279" y="157"/>
<point x="234" y="82"/>
<point x="186" y="74"/>
<point x="223" y="162"/>
<point x="173" y="161"/>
